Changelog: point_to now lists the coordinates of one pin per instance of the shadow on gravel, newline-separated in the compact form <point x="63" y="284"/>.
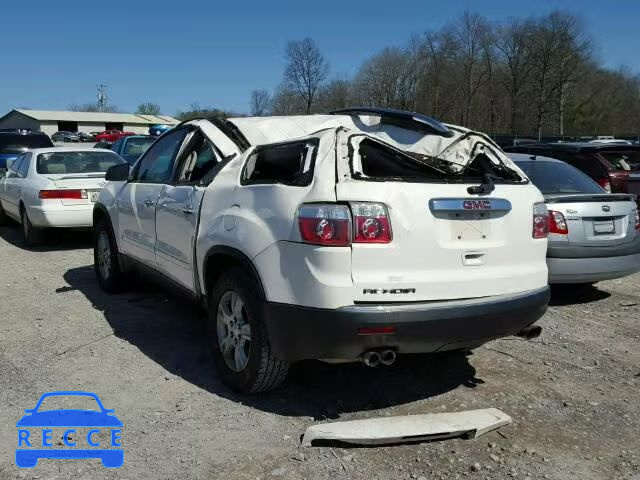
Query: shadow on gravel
<point x="54" y="239"/>
<point x="571" y="294"/>
<point x="169" y="331"/>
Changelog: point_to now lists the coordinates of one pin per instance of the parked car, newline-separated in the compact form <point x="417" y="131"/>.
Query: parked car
<point x="86" y="137"/>
<point x="593" y="235"/>
<point x="62" y="136"/>
<point x="157" y="130"/>
<point x="111" y="135"/>
<point x="132" y="147"/>
<point x="615" y="167"/>
<point x="103" y="144"/>
<point x="53" y="187"/>
<point x="13" y="144"/>
<point x="324" y="237"/>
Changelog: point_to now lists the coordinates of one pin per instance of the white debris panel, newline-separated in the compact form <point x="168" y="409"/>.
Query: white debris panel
<point x="409" y="428"/>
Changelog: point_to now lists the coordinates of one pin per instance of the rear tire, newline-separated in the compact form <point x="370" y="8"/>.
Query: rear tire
<point x="237" y="330"/>
<point x="33" y="236"/>
<point x="106" y="260"/>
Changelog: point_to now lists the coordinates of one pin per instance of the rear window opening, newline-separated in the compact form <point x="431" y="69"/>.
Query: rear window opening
<point x="63" y="163"/>
<point x="288" y="164"/>
<point x="377" y="161"/>
<point x="623" y="160"/>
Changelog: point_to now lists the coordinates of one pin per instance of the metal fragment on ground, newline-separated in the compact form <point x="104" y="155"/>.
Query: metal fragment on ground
<point x="409" y="428"/>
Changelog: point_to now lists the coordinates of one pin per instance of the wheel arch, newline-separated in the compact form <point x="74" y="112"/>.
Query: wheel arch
<point x="220" y="258"/>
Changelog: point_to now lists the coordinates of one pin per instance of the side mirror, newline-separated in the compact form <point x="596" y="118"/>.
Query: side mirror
<point x="118" y="173"/>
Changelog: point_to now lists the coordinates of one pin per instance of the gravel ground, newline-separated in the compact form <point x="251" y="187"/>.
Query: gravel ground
<point x="573" y="392"/>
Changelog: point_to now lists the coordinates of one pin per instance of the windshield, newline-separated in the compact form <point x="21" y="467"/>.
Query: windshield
<point x="16" y="143"/>
<point x="137" y="146"/>
<point x="60" y="163"/>
<point x="623" y="159"/>
<point x="558" y="177"/>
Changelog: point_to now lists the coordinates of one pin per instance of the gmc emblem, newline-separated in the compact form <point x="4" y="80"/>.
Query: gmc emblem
<point x="476" y="204"/>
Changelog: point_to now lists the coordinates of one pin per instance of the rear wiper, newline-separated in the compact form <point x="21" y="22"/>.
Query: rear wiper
<point x="487" y="185"/>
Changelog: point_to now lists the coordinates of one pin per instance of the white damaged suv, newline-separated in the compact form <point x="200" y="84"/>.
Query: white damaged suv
<point x="356" y="235"/>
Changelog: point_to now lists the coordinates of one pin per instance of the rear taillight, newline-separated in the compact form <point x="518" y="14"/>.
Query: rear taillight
<point x="540" y="220"/>
<point x="370" y="223"/>
<point x="605" y="183"/>
<point x="557" y="223"/>
<point x="73" y="194"/>
<point x="325" y="224"/>
<point x="637" y="219"/>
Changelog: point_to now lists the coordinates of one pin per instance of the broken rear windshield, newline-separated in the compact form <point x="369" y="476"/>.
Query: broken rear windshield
<point x="377" y="161"/>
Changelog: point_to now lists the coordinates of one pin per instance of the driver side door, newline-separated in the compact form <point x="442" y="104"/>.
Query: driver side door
<point x="136" y="203"/>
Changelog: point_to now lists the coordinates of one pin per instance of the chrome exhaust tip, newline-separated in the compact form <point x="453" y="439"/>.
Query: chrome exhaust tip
<point x="530" y="333"/>
<point x="370" y="359"/>
<point x="388" y="357"/>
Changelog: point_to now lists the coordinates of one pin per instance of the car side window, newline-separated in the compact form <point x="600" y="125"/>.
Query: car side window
<point x="156" y="166"/>
<point x="23" y="169"/>
<point x="16" y="165"/>
<point x="287" y="163"/>
<point x="116" y="146"/>
<point x="198" y="162"/>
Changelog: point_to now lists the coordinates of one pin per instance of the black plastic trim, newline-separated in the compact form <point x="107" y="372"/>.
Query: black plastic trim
<point x="298" y="333"/>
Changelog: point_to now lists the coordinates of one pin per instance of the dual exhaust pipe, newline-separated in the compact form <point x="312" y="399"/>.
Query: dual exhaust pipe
<point x="374" y="358"/>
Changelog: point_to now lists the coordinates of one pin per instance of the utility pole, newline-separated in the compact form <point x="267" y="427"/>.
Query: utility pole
<point x="102" y="97"/>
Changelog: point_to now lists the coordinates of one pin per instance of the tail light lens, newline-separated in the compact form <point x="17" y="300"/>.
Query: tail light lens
<point x="371" y="223"/>
<point x="637" y="219"/>
<point x="540" y="220"/>
<point x="325" y="224"/>
<point x="67" y="194"/>
<point x="605" y="183"/>
<point x="557" y="223"/>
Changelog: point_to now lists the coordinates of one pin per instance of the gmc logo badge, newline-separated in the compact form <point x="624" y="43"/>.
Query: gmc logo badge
<point x="476" y="204"/>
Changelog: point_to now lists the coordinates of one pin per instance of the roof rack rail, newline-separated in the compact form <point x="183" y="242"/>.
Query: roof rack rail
<point x="400" y="118"/>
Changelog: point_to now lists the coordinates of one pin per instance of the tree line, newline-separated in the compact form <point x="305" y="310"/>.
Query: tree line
<point x="530" y="76"/>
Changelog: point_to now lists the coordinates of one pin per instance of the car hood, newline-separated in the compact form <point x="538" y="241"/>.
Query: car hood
<point x="69" y="418"/>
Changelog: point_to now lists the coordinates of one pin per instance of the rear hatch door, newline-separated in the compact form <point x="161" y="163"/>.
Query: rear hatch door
<point x="447" y="243"/>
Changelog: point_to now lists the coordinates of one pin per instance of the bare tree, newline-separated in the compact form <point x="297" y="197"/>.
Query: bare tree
<point x="514" y="53"/>
<point x="306" y="69"/>
<point x="436" y="54"/>
<point x="148" y="108"/>
<point x="259" y="102"/>
<point x="337" y="94"/>
<point x="287" y="102"/>
<point x="468" y="35"/>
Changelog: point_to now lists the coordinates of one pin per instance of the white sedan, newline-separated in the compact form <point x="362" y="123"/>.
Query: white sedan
<point x="54" y="187"/>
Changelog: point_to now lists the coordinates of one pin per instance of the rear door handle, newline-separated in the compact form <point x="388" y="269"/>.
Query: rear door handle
<point x="187" y="211"/>
<point x="149" y="203"/>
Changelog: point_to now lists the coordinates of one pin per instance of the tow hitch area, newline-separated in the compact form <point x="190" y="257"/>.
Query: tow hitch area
<point x="409" y="428"/>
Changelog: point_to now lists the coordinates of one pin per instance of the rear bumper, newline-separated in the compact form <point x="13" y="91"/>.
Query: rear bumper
<point x="298" y="333"/>
<point x="587" y="270"/>
<point x="580" y="264"/>
<point x="69" y="217"/>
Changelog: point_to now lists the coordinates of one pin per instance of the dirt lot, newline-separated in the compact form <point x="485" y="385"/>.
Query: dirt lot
<point x="573" y="393"/>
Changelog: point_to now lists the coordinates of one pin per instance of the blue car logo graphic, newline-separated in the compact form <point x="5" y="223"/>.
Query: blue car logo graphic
<point x="39" y="425"/>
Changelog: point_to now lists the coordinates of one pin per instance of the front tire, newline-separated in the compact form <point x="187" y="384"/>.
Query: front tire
<point x="106" y="258"/>
<point x="33" y="236"/>
<point x="238" y="333"/>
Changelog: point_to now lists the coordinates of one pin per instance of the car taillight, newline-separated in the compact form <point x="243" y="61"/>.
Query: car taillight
<point x="540" y="220"/>
<point x="637" y="219"/>
<point x="557" y="223"/>
<point x="605" y="183"/>
<point x="325" y="224"/>
<point x="67" y="194"/>
<point x="370" y="223"/>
